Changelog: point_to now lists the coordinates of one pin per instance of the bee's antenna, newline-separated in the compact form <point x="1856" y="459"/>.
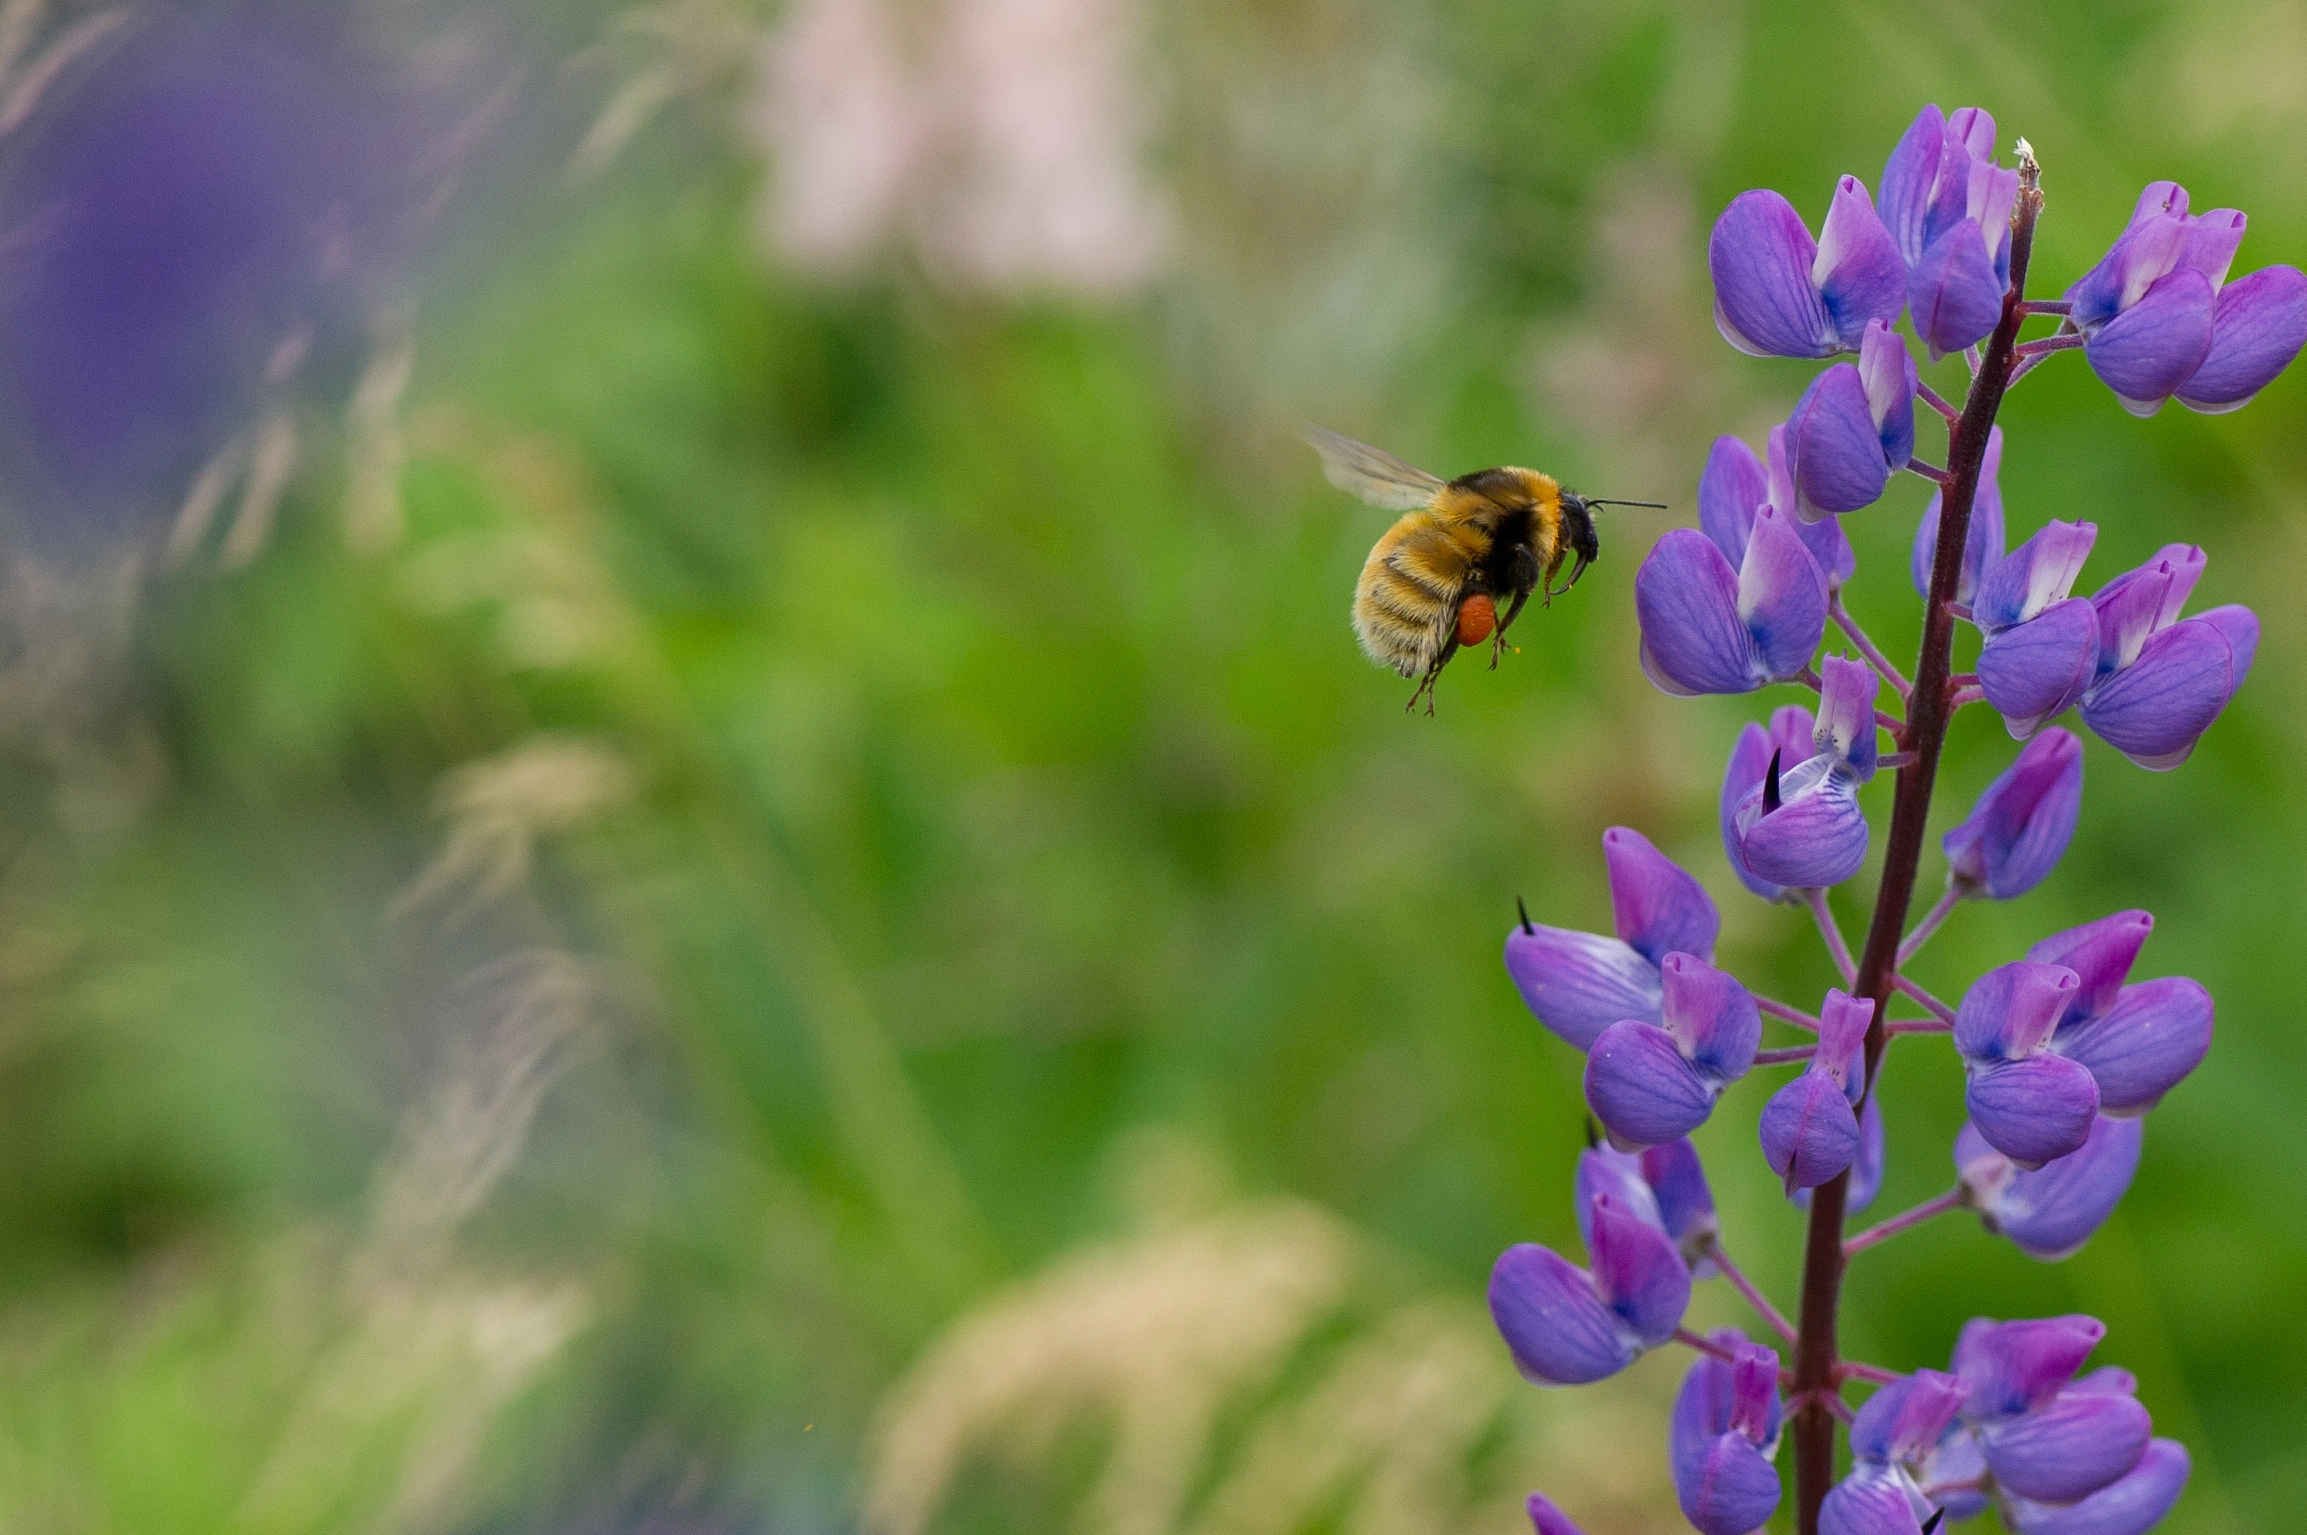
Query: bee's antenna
<point x="1656" y="506"/>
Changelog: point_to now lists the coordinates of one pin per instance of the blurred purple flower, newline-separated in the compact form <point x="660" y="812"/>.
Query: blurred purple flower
<point x="2161" y="680"/>
<point x="1566" y="1326"/>
<point x="1801" y="827"/>
<point x="2020" y="827"/>
<point x="1948" y="210"/>
<point x="1546" y="1519"/>
<point x="1982" y="542"/>
<point x="2029" y="1104"/>
<point x="1778" y="293"/>
<point x="2158" y="322"/>
<point x="2045" y="1434"/>
<point x="1650" y="1083"/>
<point x="1810" y="1126"/>
<point x="1579" y="984"/>
<point x="2042" y="646"/>
<point x="2131" y="1505"/>
<point x="2137" y="1041"/>
<point x="2050" y="1213"/>
<point x="1723" y="1437"/>
<point x="1709" y="626"/>
<point x="1853" y="428"/>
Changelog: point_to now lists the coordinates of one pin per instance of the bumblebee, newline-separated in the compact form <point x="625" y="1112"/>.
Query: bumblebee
<point x="1435" y="581"/>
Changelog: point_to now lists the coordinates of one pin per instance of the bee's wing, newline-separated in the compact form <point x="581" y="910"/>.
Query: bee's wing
<point x="1373" y="474"/>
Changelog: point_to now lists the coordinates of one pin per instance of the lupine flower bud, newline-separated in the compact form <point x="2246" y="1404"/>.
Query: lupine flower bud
<point x="1724" y="1434"/>
<point x="1546" y="1519"/>
<point x="2131" y="1505"/>
<point x="2031" y="1105"/>
<point x="2051" y="1212"/>
<point x="1566" y="1326"/>
<point x="2161" y="680"/>
<point x="2138" y="1042"/>
<point x="1982" y="542"/>
<point x="1650" y="1083"/>
<point x="1853" y="428"/>
<point x="1810" y="1126"/>
<point x="1802" y="827"/>
<point x="2042" y="646"/>
<point x="2044" y="1434"/>
<point x="1736" y="484"/>
<point x="2020" y="827"/>
<point x="1948" y="208"/>
<point x="1778" y="293"/>
<point x="2158" y="322"/>
<point x="1710" y="628"/>
<point x="1580" y="983"/>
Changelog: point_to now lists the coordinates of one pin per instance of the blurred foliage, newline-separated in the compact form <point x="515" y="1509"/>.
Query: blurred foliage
<point x="849" y="812"/>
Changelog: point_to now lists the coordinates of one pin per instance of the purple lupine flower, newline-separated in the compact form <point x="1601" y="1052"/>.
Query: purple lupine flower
<point x="1853" y="428"/>
<point x="2051" y="1212"/>
<point x="1982" y="542"/>
<point x="1865" y="1169"/>
<point x="1787" y="740"/>
<point x="2138" y="1041"/>
<point x="1711" y="627"/>
<point x="2042" y="646"/>
<point x="1546" y="1519"/>
<point x="2161" y="680"/>
<point x="2031" y="1105"/>
<point x="2046" y="1435"/>
<point x="1810" y="1126"/>
<point x="2158" y="322"/>
<point x="1778" y="293"/>
<point x="1736" y="483"/>
<point x="1801" y="827"/>
<point x="1948" y="208"/>
<point x="1566" y="1326"/>
<point x="2020" y="827"/>
<point x="1579" y="984"/>
<point x="1723" y="1436"/>
<point x="1664" y="1185"/>
<point x="2131" y="1505"/>
<point x="1650" y="1083"/>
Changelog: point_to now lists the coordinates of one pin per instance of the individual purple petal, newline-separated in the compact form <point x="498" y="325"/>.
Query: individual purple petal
<point x="1638" y="1273"/>
<point x="2101" y="954"/>
<point x="1657" y="907"/>
<point x="2259" y="326"/>
<point x="1887" y="370"/>
<point x="2131" y="1505"/>
<point x="2037" y="670"/>
<point x="1781" y="597"/>
<point x="1907" y="178"/>
<point x="1580" y="983"/>
<point x="1870" y="1501"/>
<point x="1906" y="1419"/>
<point x="2240" y="626"/>
<point x="1761" y="257"/>
<point x="2051" y="1212"/>
<point x="2131" y="608"/>
<point x="1605" y="1172"/>
<point x="2033" y="1110"/>
<point x="1730" y="488"/>
<point x="2145" y="252"/>
<point x="1982" y="541"/>
<point x="1826" y="541"/>
<point x="1712" y="1017"/>
<point x="1858" y="273"/>
<point x="2155" y="709"/>
<point x="2021" y="825"/>
<point x="2010" y="1011"/>
<point x="1865" y="1168"/>
<point x="1846" y="723"/>
<point x="1558" y="1329"/>
<point x="1642" y="1089"/>
<point x="2069" y="1449"/>
<point x="1841" y="1057"/>
<point x="2145" y="1044"/>
<point x="1809" y="1131"/>
<point x="1955" y="293"/>
<point x="1693" y="640"/>
<point x="2032" y="577"/>
<point x="2156" y="345"/>
<point x="1833" y="448"/>
<point x="1546" y="1519"/>
<point x="2212" y="240"/>
<point x="2108" y="1378"/>
<point x="1817" y="835"/>
<point x="1728" y="1488"/>
<point x="2186" y="562"/>
<point x="2015" y="1367"/>
<point x="1686" y="1205"/>
<point x="2158" y="197"/>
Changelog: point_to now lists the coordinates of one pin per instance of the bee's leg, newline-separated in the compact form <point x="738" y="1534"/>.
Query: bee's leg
<point x="1552" y="567"/>
<point x="1498" y="635"/>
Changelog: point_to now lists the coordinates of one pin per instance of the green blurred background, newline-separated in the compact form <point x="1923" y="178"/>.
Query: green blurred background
<point x="770" y="895"/>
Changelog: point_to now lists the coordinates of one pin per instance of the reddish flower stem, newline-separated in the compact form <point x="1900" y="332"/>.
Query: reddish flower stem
<point x="1815" y="1360"/>
<point x="1754" y="1297"/>
<point x="1950" y="1200"/>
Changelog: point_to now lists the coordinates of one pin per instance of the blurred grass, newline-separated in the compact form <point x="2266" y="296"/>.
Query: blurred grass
<point x="1006" y="787"/>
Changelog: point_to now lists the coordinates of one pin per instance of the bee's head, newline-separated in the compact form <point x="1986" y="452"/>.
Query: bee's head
<point x="1578" y="532"/>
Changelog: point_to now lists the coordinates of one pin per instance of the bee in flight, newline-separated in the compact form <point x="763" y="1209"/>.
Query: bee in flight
<point x="1462" y="547"/>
